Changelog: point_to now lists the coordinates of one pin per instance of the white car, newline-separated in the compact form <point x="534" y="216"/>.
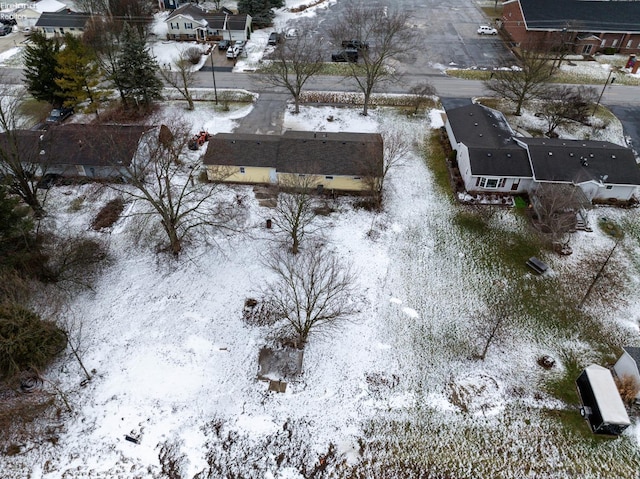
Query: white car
<point x="233" y="52"/>
<point x="291" y="33"/>
<point x="487" y="30"/>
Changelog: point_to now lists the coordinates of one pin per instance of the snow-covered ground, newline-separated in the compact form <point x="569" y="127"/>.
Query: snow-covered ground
<point x="173" y="357"/>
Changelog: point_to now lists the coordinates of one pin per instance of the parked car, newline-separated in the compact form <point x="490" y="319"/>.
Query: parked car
<point x="274" y="38"/>
<point x="223" y="45"/>
<point x="357" y="44"/>
<point x="291" y="33"/>
<point x="233" y="52"/>
<point x="346" y="55"/>
<point x="240" y="45"/>
<point x="58" y="115"/>
<point x="487" y="30"/>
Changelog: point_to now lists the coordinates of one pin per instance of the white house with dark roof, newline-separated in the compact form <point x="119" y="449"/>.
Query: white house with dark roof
<point x="190" y="22"/>
<point x="629" y="365"/>
<point x="27" y="16"/>
<point x="491" y="158"/>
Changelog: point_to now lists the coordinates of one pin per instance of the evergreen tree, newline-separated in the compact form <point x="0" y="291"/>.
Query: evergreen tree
<point x="137" y="71"/>
<point x="261" y="11"/>
<point x="40" y="68"/>
<point x="79" y="74"/>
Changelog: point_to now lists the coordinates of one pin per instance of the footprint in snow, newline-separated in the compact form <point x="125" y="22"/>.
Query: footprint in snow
<point x="412" y="313"/>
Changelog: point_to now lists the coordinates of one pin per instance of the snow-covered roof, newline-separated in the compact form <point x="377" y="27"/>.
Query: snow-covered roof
<point x="607" y="396"/>
<point x="49" y="6"/>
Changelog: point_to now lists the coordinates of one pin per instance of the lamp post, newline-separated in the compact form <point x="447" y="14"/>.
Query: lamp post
<point x="213" y="73"/>
<point x="602" y="92"/>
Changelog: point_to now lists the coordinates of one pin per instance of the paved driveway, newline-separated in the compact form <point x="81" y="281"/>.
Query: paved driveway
<point x="630" y="118"/>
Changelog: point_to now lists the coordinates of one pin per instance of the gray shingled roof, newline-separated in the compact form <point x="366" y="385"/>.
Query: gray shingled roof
<point x="24" y="143"/>
<point x="487" y="134"/>
<point x="299" y="152"/>
<point x="215" y="20"/>
<point x="634" y="353"/>
<point x="578" y="161"/>
<point x="582" y="15"/>
<point x="91" y="145"/>
<point x="189" y="10"/>
<point x="63" y="20"/>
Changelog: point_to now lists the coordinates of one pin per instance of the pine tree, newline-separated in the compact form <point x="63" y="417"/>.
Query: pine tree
<point x="261" y="11"/>
<point x="137" y="71"/>
<point x="40" y="63"/>
<point x="79" y="74"/>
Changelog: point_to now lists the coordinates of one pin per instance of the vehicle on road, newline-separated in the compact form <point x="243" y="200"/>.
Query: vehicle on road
<point x="223" y="45"/>
<point x="346" y="55"/>
<point x="487" y="30"/>
<point x="274" y="38"/>
<point x="233" y="52"/>
<point x="58" y="115"/>
<point x="357" y="44"/>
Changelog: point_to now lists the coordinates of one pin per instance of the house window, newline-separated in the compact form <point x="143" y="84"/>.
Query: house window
<point x="489" y="183"/>
<point x="242" y="169"/>
<point x="49" y="30"/>
<point x="356" y="178"/>
<point x="502" y="183"/>
<point x="328" y="177"/>
<point x="629" y="43"/>
<point x="175" y="26"/>
<point x="188" y="26"/>
<point x="603" y="43"/>
<point x="586" y="50"/>
<point x="609" y="187"/>
<point x="615" y="43"/>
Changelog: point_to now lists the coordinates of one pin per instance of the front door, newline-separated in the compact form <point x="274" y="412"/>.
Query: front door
<point x="586" y="50"/>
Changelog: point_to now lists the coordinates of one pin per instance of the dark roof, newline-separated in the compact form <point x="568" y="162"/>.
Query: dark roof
<point x="582" y="15"/>
<point x="237" y="22"/>
<point x="578" y="161"/>
<point x="215" y="21"/>
<point x="299" y="152"/>
<point x="477" y="125"/>
<point x="23" y="143"/>
<point x="188" y="9"/>
<point x="63" y="19"/>
<point x="634" y="353"/>
<point x="91" y="145"/>
<point x="489" y="138"/>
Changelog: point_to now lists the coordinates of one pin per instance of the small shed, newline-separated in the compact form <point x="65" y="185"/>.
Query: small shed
<point x="629" y="365"/>
<point x="601" y="402"/>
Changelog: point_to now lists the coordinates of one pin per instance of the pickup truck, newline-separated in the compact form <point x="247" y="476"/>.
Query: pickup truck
<point x="357" y="44"/>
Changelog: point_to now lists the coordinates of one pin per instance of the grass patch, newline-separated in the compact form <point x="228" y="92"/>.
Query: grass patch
<point x="435" y="158"/>
<point x="469" y="74"/>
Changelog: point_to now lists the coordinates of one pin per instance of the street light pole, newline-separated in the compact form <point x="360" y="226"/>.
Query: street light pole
<point x="213" y="72"/>
<point x="602" y="92"/>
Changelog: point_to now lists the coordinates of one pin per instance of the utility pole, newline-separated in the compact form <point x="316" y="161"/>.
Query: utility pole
<point x="213" y="72"/>
<point x="602" y="92"/>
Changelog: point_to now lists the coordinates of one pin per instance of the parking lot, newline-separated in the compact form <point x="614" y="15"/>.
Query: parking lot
<point x="445" y="35"/>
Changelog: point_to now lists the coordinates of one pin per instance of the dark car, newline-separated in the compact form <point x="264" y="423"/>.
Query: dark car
<point x="357" y="44"/>
<point x="223" y="44"/>
<point x="346" y="55"/>
<point x="58" y="115"/>
<point x="274" y="38"/>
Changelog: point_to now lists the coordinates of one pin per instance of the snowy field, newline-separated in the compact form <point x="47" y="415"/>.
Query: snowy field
<point x="396" y="390"/>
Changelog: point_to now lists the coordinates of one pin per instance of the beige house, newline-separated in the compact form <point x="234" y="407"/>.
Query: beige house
<point x="27" y="16"/>
<point x="331" y="161"/>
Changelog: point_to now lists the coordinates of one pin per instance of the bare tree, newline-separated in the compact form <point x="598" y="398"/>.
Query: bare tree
<point x="162" y="178"/>
<point x="293" y="63"/>
<point x="19" y="151"/>
<point x="556" y="207"/>
<point x="294" y="214"/>
<point x="181" y="75"/>
<point x="423" y="94"/>
<point x="384" y="35"/>
<point x="314" y="291"/>
<point x="492" y="325"/>
<point x="172" y="461"/>
<point x="394" y="152"/>
<point x="563" y="104"/>
<point x="527" y="82"/>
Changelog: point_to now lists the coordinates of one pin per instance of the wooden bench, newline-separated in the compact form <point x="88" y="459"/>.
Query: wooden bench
<point x="536" y="265"/>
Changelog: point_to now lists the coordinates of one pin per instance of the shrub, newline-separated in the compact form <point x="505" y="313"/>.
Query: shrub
<point x="26" y="341"/>
<point x="193" y="55"/>
<point x="109" y="214"/>
<point x="628" y="387"/>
